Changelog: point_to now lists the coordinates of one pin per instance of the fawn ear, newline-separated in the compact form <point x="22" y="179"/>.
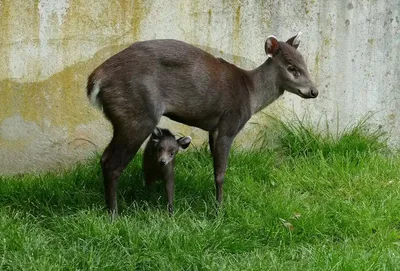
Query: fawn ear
<point x="184" y="142"/>
<point x="271" y="46"/>
<point x="294" y="41"/>
<point x="157" y="134"/>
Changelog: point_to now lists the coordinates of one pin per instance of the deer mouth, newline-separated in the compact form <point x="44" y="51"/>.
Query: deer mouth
<point x="302" y="95"/>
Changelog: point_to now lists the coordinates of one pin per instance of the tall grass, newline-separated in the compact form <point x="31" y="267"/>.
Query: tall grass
<point x="316" y="202"/>
<point x="300" y="138"/>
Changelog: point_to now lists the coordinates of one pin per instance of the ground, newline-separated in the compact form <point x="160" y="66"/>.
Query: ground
<point x="312" y="202"/>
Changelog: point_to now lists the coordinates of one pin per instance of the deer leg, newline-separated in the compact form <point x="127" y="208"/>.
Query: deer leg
<point x="114" y="160"/>
<point x="220" y="158"/>
<point x="149" y="180"/>
<point x="149" y="187"/>
<point x="116" y="157"/>
<point x="211" y="140"/>
<point x="170" y="183"/>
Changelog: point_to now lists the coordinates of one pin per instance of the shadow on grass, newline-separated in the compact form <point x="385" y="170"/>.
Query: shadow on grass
<point x="81" y="187"/>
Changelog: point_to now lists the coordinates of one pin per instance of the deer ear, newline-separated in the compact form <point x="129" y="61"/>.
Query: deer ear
<point x="184" y="142"/>
<point x="294" y="41"/>
<point x="157" y="133"/>
<point x="271" y="46"/>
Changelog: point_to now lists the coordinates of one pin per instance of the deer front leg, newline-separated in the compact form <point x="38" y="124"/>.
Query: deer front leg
<point x="220" y="158"/>
<point x="211" y="140"/>
<point x="149" y="181"/>
<point x="170" y="183"/>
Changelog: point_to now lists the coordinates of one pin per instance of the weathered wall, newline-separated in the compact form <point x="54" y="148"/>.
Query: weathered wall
<point x="48" y="47"/>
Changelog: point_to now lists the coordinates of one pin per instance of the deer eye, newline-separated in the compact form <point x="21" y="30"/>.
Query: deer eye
<point x="172" y="153"/>
<point x="293" y="70"/>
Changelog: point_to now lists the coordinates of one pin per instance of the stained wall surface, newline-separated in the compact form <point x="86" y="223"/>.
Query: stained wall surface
<point x="49" y="47"/>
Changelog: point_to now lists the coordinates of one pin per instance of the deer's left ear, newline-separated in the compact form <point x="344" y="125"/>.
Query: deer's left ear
<point x="271" y="46"/>
<point x="156" y="134"/>
<point x="184" y="142"/>
<point x="294" y="41"/>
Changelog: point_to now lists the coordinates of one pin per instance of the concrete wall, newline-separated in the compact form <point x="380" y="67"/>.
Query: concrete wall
<point x="48" y="47"/>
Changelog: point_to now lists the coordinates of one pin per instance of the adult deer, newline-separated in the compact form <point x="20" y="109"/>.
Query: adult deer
<point x="171" y="78"/>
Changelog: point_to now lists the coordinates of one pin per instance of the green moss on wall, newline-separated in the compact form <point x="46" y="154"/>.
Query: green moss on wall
<point x="60" y="100"/>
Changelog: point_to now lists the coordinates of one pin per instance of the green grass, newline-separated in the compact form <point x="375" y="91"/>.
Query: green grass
<point x="315" y="202"/>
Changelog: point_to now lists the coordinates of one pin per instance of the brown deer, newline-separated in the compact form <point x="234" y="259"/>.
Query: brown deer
<point x="159" y="160"/>
<point x="171" y="78"/>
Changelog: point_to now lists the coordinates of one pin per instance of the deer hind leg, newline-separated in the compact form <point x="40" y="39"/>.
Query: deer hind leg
<point x="133" y="122"/>
<point x="121" y="150"/>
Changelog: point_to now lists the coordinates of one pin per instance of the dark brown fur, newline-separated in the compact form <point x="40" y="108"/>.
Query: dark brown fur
<point x="159" y="160"/>
<point x="150" y="79"/>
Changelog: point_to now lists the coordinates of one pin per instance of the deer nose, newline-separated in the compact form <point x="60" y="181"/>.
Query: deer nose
<point x="163" y="162"/>
<point x="313" y="93"/>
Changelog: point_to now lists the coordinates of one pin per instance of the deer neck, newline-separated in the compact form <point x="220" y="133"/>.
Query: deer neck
<point x="265" y="86"/>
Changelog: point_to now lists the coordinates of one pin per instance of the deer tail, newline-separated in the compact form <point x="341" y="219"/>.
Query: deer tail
<point x="93" y="89"/>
